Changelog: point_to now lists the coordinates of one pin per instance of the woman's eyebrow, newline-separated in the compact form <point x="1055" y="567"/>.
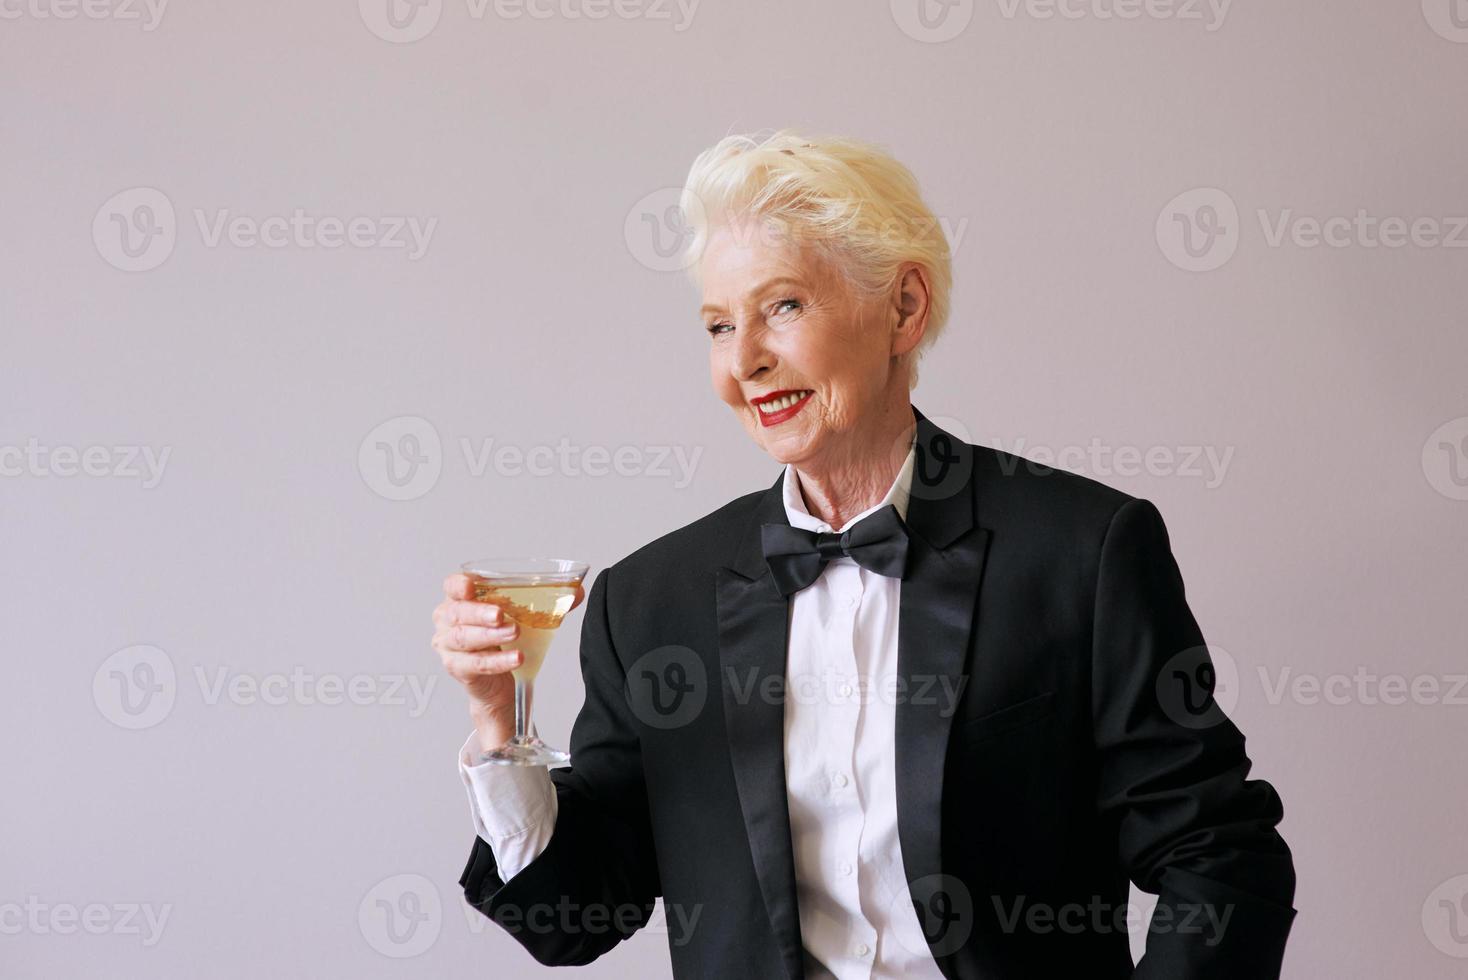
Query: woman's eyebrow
<point x="762" y="287"/>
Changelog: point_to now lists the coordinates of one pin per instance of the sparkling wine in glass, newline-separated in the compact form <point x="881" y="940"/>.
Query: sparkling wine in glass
<point x="536" y="593"/>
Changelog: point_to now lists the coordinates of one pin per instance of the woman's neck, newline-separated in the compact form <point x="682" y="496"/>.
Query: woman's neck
<point x="838" y="489"/>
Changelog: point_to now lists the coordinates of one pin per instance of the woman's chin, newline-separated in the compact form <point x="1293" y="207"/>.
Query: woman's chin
<point x="784" y="443"/>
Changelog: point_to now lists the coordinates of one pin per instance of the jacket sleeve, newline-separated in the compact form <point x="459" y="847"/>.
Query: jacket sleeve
<point x="596" y="882"/>
<point x="1191" y="828"/>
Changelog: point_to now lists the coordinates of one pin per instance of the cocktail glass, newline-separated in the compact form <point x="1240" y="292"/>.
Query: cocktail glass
<point x="536" y="593"/>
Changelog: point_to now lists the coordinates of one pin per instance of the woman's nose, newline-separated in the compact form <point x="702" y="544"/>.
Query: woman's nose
<point x="751" y="356"/>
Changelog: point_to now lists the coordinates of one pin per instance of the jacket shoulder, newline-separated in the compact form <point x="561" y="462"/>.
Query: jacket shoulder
<point x="707" y="541"/>
<point x="1011" y="490"/>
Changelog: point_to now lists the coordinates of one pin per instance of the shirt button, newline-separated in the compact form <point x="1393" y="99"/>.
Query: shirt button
<point x="840" y="779"/>
<point x="862" y="949"/>
<point x="845" y="868"/>
<point x="848" y="600"/>
<point x="845" y="690"/>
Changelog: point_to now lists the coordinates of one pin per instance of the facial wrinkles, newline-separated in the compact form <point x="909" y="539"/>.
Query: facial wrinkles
<point x="846" y="470"/>
<point x="839" y="376"/>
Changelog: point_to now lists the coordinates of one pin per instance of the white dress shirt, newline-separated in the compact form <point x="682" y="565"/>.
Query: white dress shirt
<point x="856" y="914"/>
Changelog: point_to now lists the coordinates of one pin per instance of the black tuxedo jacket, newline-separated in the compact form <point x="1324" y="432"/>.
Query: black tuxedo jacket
<point x="1082" y="750"/>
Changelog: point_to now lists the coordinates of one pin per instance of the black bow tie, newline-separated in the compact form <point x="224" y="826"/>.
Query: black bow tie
<point x="797" y="556"/>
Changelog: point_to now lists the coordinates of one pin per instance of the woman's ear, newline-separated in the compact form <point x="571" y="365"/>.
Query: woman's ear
<point x="910" y="306"/>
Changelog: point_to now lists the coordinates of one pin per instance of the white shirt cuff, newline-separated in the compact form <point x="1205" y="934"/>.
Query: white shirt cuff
<point x="513" y="807"/>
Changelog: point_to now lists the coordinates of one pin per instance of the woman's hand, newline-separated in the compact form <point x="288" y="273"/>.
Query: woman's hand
<point x="467" y="636"/>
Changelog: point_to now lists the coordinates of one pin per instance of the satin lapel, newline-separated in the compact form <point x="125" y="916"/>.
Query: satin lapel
<point x="939" y="591"/>
<point x="946" y="553"/>
<point x="753" y="637"/>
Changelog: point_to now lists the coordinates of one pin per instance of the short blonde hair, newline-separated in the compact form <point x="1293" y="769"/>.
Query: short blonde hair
<point x="851" y="200"/>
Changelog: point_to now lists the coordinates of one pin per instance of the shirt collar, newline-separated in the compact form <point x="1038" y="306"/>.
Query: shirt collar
<point x="897" y="495"/>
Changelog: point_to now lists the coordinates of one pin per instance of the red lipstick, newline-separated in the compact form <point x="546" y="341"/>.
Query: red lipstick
<point x="788" y="412"/>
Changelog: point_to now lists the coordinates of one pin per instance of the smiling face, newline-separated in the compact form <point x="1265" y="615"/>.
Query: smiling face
<point x="783" y="319"/>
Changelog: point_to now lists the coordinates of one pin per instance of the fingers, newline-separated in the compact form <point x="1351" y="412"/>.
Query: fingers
<point x="460" y="638"/>
<point x="452" y="611"/>
<point x="459" y="586"/>
<point x="468" y="634"/>
<point x="466" y="667"/>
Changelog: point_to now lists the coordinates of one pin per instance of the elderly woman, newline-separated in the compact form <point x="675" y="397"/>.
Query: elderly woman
<point x="911" y="711"/>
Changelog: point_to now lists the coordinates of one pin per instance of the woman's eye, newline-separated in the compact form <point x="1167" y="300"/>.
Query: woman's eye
<point x="715" y="328"/>
<point x="793" y="302"/>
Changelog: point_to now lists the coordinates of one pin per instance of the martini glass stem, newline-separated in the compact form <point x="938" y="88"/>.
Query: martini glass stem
<point x="522" y="712"/>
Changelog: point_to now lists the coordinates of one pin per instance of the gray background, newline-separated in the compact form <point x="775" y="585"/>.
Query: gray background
<point x="275" y="834"/>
